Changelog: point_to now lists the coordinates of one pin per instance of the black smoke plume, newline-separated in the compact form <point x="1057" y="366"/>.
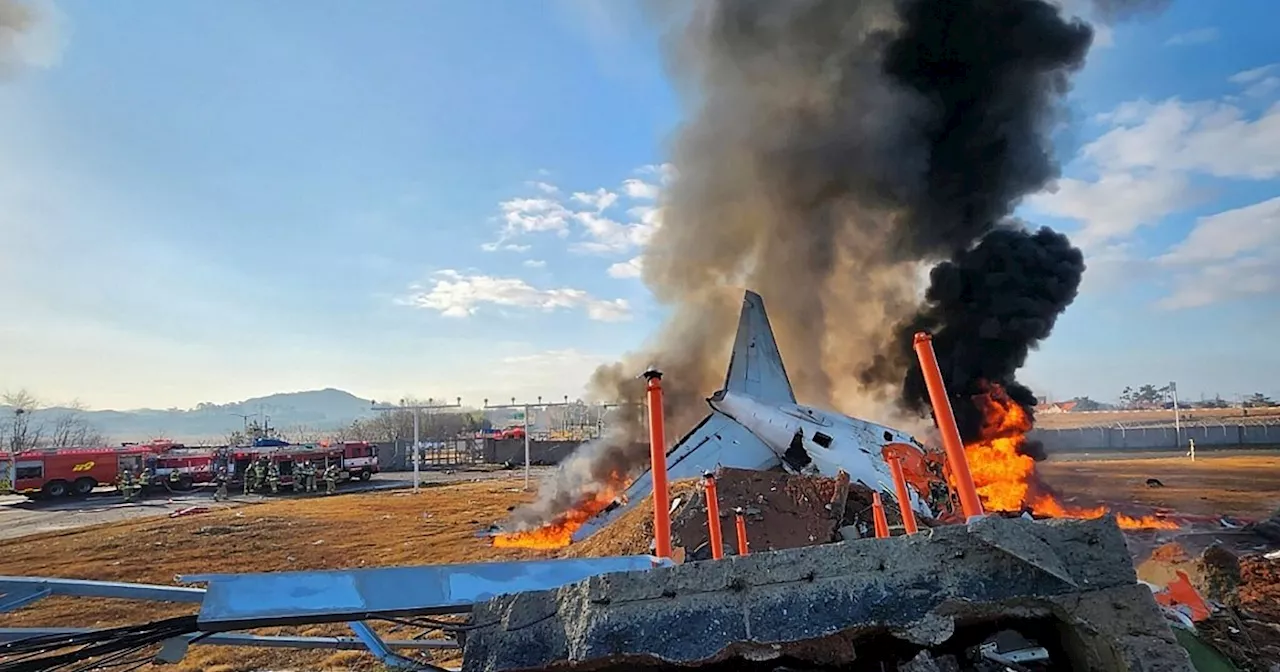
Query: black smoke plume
<point x="833" y="150"/>
<point x="986" y="309"/>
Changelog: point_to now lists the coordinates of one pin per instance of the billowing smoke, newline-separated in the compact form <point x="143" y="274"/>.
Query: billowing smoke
<point x="834" y="150"/>
<point x="27" y="36"/>
<point x="987" y="308"/>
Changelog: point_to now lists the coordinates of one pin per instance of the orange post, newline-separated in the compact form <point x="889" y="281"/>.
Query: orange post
<point x="943" y="414"/>
<point x="713" y="517"/>
<point x="742" y="530"/>
<point x="877" y="514"/>
<point x="658" y="470"/>
<point x="904" y="497"/>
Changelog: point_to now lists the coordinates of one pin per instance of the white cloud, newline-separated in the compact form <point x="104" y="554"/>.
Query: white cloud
<point x="608" y="235"/>
<point x="1117" y="204"/>
<point x="1193" y="37"/>
<point x="641" y="190"/>
<point x="1230" y="234"/>
<point x="1253" y="75"/>
<point x="456" y="295"/>
<point x="1145" y="162"/>
<point x="1208" y="137"/>
<point x="535" y="263"/>
<point x="1259" y="82"/>
<point x="528" y="215"/>
<point x="1232" y="254"/>
<point x="666" y="172"/>
<point x="499" y="245"/>
<point x="544" y="187"/>
<point x="600" y="199"/>
<point x="631" y="268"/>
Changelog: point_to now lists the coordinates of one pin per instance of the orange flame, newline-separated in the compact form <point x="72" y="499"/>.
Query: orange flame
<point x="559" y="532"/>
<point x="1006" y="479"/>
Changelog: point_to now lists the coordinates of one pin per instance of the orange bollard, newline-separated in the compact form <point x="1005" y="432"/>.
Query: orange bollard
<point x="658" y="470"/>
<point x="904" y="497"/>
<point x="742" y="530"/>
<point x="877" y="514"/>
<point x="943" y="414"/>
<point x="713" y="517"/>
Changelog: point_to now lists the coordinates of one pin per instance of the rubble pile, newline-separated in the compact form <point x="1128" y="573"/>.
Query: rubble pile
<point x="781" y="511"/>
<point x="1057" y="595"/>
<point x="1244" y="592"/>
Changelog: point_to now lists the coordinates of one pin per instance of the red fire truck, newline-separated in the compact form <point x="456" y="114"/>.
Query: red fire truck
<point x="71" y="471"/>
<point x="77" y="471"/>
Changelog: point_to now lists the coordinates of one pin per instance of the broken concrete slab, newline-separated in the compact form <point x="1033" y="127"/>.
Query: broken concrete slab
<point x="834" y="603"/>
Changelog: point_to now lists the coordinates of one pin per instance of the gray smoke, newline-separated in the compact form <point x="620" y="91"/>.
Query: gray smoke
<point x="15" y="19"/>
<point x="834" y="150"/>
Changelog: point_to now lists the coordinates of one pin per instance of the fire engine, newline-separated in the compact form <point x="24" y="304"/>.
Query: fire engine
<point x="56" y="472"/>
<point x="77" y="471"/>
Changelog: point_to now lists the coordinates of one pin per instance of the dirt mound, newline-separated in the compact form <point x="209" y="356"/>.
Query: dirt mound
<point x="781" y="511"/>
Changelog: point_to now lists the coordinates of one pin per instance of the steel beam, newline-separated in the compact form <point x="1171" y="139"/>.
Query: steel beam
<point x="24" y="589"/>
<point x="381" y="650"/>
<point x="242" y="601"/>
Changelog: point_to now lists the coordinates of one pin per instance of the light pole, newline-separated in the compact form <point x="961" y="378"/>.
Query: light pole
<point x="415" y="408"/>
<point x="526" y="407"/>
<point x="1177" y="419"/>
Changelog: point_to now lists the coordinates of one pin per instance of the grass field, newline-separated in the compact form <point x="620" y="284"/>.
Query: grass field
<point x="439" y="525"/>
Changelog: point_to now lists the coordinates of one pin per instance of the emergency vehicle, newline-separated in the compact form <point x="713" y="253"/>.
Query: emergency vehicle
<point x="77" y="471"/>
<point x="56" y="472"/>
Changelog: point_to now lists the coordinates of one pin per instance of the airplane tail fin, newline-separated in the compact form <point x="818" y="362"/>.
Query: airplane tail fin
<point x="756" y="369"/>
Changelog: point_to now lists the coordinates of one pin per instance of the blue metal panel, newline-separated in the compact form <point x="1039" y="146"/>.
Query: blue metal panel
<point x="17" y="598"/>
<point x="238" y="601"/>
<point x="23" y="585"/>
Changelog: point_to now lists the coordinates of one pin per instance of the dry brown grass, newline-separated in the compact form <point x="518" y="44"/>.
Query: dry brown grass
<point x="1246" y="486"/>
<point x="344" y="531"/>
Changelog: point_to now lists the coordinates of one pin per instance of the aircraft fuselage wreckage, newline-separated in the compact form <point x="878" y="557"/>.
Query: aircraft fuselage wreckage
<point x="755" y="423"/>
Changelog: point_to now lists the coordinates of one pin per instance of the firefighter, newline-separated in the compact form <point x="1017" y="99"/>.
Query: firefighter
<point x="144" y="479"/>
<point x="125" y="485"/>
<point x="309" y="473"/>
<point x="247" y="476"/>
<point x="175" y="480"/>
<point x="299" y="479"/>
<point x="273" y="477"/>
<point x="221" y="478"/>
<point x="259" y="474"/>
<point x="331" y="479"/>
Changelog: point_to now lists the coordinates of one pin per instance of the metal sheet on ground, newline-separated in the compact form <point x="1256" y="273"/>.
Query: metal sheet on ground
<point x="238" y="601"/>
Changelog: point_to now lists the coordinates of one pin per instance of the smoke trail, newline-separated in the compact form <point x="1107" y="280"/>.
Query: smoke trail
<point x="832" y="149"/>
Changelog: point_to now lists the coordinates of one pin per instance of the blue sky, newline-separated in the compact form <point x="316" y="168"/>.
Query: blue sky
<point x="211" y="201"/>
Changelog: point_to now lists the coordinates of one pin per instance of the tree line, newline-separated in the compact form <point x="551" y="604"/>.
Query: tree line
<point x="1149" y="396"/>
<point x="32" y="424"/>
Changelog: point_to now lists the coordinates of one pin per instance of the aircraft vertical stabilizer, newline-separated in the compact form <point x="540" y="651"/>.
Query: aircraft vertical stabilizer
<point x="756" y="369"/>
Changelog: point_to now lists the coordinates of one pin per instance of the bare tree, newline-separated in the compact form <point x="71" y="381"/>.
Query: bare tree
<point x="24" y="431"/>
<point x="71" y="428"/>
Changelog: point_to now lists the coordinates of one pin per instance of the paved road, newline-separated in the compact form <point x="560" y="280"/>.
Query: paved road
<point x="20" y="516"/>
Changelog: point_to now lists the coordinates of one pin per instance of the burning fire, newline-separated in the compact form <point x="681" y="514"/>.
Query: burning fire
<point x="1006" y="479"/>
<point x="559" y="532"/>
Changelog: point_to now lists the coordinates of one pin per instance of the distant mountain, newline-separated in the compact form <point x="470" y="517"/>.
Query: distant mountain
<point x="315" y="410"/>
